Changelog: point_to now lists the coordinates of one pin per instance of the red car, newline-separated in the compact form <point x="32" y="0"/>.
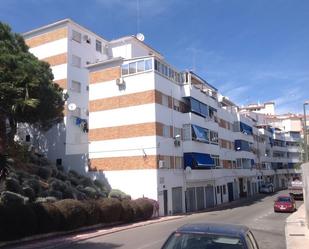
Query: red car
<point x="284" y="203"/>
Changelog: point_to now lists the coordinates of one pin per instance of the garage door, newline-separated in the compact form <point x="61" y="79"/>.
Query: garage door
<point x="200" y="198"/>
<point x="210" y="200"/>
<point x="190" y="200"/>
<point x="177" y="200"/>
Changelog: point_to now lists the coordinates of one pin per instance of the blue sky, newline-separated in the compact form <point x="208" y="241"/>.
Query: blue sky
<point x="252" y="51"/>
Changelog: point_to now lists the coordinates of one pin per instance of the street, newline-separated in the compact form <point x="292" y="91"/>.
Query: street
<point x="267" y="226"/>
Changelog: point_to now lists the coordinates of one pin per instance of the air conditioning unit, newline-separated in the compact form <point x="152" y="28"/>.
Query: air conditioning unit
<point x="120" y="81"/>
<point x="161" y="164"/>
<point x="177" y="143"/>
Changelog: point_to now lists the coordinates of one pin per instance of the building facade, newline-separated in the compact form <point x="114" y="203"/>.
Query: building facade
<point x="151" y="129"/>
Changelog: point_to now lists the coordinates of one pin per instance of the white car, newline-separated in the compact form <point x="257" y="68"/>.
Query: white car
<point x="267" y="188"/>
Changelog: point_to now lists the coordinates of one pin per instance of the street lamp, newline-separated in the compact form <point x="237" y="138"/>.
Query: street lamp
<point x="305" y="132"/>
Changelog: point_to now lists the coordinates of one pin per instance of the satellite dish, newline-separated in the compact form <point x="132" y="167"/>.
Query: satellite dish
<point x="140" y="37"/>
<point x="72" y="107"/>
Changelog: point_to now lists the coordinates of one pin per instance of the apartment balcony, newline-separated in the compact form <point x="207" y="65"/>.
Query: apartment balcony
<point x="294" y="149"/>
<point x="280" y="148"/>
<point x="199" y="147"/>
<point x="194" y="92"/>
<point x="195" y="119"/>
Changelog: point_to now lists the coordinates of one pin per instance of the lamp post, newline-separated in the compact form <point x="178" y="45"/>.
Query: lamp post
<point x="305" y="132"/>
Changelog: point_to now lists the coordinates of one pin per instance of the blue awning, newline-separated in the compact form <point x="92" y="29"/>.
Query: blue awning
<point x="198" y="160"/>
<point x="245" y="128"/>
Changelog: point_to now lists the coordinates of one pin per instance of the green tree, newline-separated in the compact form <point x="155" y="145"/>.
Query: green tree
<point x="27" y="91"/>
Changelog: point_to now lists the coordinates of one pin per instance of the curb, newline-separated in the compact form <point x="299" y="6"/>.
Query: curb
<point x="51" y="240"/>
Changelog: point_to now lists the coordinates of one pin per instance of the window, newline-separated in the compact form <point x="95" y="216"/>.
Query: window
<point x="224" y="189"/>
<point x="216" y="160"/>
<point x="140" y="66"/>
<point x="177" y="131"/>
<point x="178" y="162"/>
<point x="166" y="131"/>
<point x="76" y="36"/>
<point x="164" y="100"/>
<point x="132" y="67"/>
<point x="98" y="46"/>
<point x="148" y="64"/>
<point x="76" y="61"/>
<point x="218" y="189"/>
<point x="28" y="138"/>
<point x="176" y="105"/>
<point x="213" y="137"/>
<point x="58" y="161"/>
<point x="199" y="134"/>
<point x="125" y="69"/>
<point x="76" y="86"/>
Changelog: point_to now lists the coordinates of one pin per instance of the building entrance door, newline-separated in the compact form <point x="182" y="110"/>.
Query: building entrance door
<point x="165" y="199"/>
<point x="230" y="191"/>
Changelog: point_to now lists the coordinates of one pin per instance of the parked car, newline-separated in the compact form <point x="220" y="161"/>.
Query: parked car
<point x="284" y="203"/>
<point x="211" y="236"/>
<point x="267" y="188"/>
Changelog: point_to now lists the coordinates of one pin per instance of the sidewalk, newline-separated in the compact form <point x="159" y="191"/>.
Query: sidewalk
<point x="296" y="230"/>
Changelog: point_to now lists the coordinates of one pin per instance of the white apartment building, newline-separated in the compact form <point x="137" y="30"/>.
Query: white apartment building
<point x="149" y="128"/>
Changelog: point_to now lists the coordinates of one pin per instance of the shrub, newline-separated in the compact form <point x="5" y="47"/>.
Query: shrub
<point x="68" y="193"/>
<point x="54" y="193"/>
<point x="12" y="184"/>
<point x="29" y="192"/>
<point x="138" y="214"/>
<point x="116" y="193"/>
<point x="44" y="172"/>
<point x="17" y="221"/>
<point x="49" y="199"/>
<point x="127" y="211"/>
<point x="10" y="198"/>
<point x="86" y="181"/>
<point x="34" y="184"/>
<point x="74" y="213"/>
<point x="90" y="192"/>
<point x="111" y="209"/>
<point x="94" y="212"/>
<point x="61" y="176"/>
<point x="50" y="218"/>
<point x="146" y="207"/>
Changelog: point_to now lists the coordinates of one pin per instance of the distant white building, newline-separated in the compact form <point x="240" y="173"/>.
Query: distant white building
<point x="153" y="130"/>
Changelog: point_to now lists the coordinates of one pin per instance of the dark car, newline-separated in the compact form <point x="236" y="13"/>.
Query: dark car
<point x="211" y="236"/>
<point x="284" y="203"/>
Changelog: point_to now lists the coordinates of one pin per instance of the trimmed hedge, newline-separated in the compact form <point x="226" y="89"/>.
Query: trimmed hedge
<point x="44" y="216"/>
<point x="74" y="213"/>
<point x="17" y="221"/>
<point x="50" y="219"/>
<point x="111" y="210"/>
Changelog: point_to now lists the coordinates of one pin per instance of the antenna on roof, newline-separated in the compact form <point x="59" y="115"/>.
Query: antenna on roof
<point x="137" y="16"/>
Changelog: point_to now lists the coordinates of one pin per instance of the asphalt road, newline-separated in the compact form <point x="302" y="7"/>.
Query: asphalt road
<point x="267" y="227"/>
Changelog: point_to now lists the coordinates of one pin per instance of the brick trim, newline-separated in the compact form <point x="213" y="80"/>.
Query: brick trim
<point x="47" y="37"/>
<point x="128" y="100"/>
<point x="123" y="163"/>
<point x="128" y="131"/>
<point x="56" y="59"/>
<point x="104" y="75"/>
